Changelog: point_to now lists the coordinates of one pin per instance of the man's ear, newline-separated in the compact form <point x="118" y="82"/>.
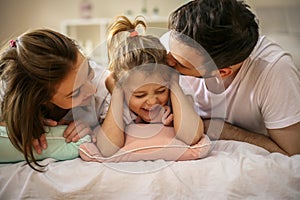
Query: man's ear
<point x="224" y="72"/>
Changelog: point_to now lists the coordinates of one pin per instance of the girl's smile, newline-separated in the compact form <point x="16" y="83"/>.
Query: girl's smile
<point x="146" y="97"/>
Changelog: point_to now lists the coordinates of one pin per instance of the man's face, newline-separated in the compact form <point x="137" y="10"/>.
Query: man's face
<point x="186" y="59"/>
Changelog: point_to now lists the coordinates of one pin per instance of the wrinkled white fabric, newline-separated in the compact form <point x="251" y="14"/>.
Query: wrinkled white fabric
<point x="232" y="170"/>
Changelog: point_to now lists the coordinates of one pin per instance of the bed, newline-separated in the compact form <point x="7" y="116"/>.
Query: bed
<point x="232" y="170"/>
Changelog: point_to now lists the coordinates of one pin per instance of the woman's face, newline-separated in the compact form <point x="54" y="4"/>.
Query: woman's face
<point x="146" y="95"/>
<point x="76" y="89"/>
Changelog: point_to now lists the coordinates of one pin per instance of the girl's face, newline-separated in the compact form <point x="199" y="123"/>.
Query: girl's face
<point x="76" y="89"/>
<point x="146" y="95"/>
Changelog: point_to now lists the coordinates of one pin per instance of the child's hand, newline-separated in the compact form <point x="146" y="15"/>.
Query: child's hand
<point x="110" y="83"/>
<point x="76" y="130"/>
<point x="167" y="117"/>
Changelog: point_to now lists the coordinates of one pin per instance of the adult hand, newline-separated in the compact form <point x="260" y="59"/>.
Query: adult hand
<point x="40" y="144"/>
<point x="76" y="130"/>
<point x="50" y="122"/>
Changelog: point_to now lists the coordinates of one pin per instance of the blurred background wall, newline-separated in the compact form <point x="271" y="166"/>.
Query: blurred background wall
<point x="19" y="15"/>
<point x="279" y="19"/>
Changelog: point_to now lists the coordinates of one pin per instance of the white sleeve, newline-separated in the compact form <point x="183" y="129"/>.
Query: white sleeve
<point x="280" y="94"/>
<point x="102" y="96"/>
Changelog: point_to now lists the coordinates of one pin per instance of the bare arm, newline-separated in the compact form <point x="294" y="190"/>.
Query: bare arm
<point x="217" y="129"/>
<point x="187" y="124"/>
<point x="287" y="138"/>
<point x="110" y="135"/>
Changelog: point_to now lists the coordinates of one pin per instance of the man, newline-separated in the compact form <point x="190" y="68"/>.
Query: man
<point x="254" y="86"/>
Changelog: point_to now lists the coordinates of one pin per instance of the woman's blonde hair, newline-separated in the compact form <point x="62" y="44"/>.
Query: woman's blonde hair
<point x="30" y="69"/>
<point x="127" y="49"/>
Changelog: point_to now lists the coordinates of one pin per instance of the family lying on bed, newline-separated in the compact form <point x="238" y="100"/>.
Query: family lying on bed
<point x="244" y="87"/>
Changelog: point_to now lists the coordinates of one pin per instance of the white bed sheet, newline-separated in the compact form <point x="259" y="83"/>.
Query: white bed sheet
<point x="233" y="170"/>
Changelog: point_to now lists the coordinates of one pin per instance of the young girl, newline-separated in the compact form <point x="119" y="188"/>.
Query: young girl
<point x="147" y="87"/>
<point x="43" y="77"/>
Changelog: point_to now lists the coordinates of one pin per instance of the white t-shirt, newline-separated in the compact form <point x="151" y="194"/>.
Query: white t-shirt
<point x="264" y="94"/>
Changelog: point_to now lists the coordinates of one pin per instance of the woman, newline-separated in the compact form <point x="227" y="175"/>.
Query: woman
<point x="43" y="76"/>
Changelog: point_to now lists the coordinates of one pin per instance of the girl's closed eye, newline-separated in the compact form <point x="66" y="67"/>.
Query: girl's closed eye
<point x="139" y="95"/>
<point x="160" y="91"/>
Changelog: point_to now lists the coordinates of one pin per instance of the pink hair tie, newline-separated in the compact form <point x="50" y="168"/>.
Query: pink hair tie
<point x="134" y="33"/>
<point x="12" y="43"/>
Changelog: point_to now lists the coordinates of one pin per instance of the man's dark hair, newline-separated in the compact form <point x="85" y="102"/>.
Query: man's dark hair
<point x="226" y="29"/>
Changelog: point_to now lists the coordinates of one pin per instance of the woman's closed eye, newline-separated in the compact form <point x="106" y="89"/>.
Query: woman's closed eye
<point x="90" y="76"/>
<point x="76" y="93"/>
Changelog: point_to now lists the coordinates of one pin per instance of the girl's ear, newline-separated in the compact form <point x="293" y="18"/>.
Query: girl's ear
<point x="224" y="72"/>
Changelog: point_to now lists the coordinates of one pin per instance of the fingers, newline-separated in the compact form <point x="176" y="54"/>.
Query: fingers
<point x="36" y="146"/>
<point x="64" y="122"/>
<point x="70" y="132"/>
<point x="43" y="141"/>
<point x="168" y="121"/>
<point x="40" y="144"/>
<point x="94" y="138"/>
<point x="168" y="116"/>
<point x="50" y="122"/>
<point x="167" y="111"/>
<point x="85" y="131"/>
<point x="76" y="130"/>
